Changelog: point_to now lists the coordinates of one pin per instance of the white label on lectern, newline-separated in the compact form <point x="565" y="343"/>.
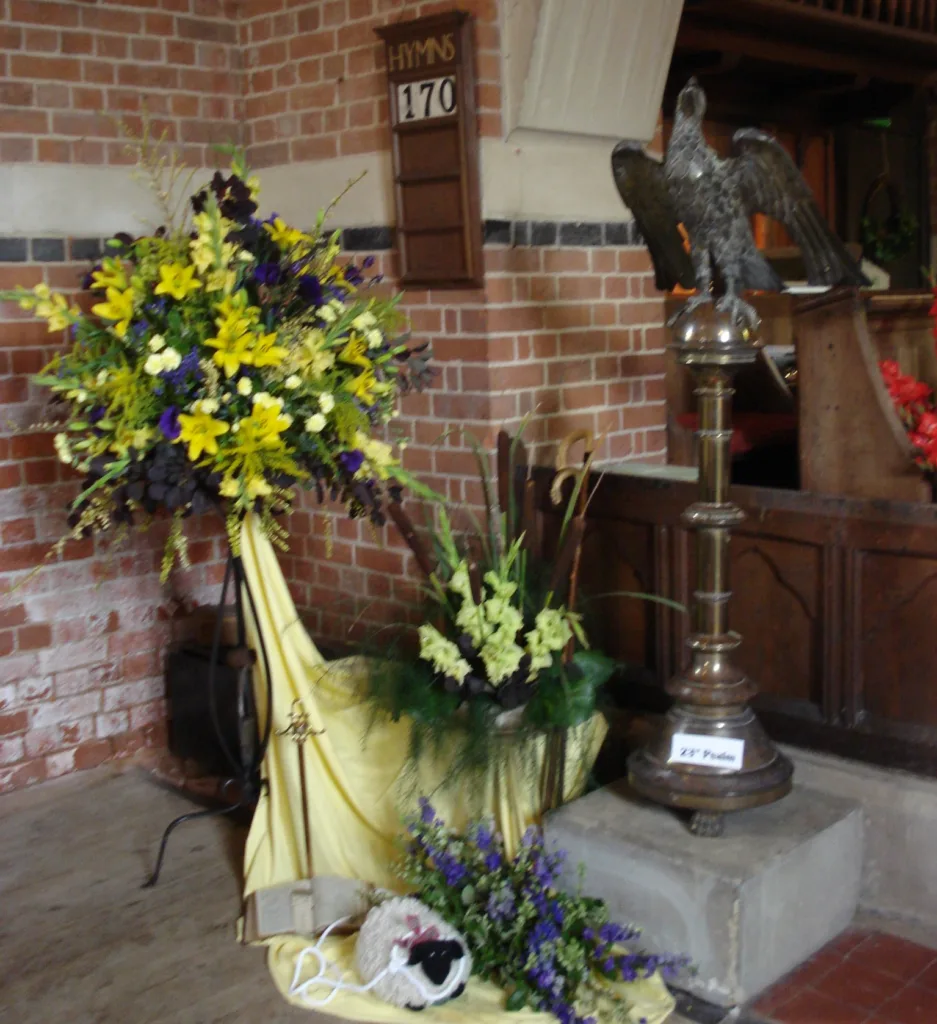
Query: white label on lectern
<point x="710" y="751"/>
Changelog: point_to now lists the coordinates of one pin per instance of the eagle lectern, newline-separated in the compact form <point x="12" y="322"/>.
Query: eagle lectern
<point x="712" y="755"/>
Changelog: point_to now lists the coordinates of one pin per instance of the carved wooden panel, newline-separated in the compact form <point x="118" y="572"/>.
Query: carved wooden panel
<point x="896" y="597"/>
<point x="776" y="606"/>
<point x="835" y="598"/>
<point x="618" y="558"/>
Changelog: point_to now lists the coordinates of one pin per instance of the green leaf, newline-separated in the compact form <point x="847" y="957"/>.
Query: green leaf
<point x="517" y="1000"/>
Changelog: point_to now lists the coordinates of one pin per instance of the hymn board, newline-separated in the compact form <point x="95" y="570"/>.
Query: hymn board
<point x="431" y="86"/>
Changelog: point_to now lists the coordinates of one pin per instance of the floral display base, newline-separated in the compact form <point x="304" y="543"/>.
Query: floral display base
<point x="746" y="908"/>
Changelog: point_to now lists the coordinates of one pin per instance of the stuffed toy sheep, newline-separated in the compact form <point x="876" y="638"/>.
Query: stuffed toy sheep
<point x="410" y="957"/>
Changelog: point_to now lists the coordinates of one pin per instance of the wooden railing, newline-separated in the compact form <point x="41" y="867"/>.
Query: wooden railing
<point x="917" y="15"/>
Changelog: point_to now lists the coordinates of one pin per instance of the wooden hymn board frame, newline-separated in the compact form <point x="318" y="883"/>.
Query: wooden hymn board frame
<point x="431" y="88"/>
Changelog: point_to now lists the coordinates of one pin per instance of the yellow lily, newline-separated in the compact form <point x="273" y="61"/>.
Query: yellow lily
<point x="265" y="351"/>
<point x="354" y="353"/>
<point x="362" y="387"/>
<point x="111" y="275"/>
<point x="233" y="349"/>
<point x="119" y="308"/>
<point x="177" y="280"/>
<point x="285" y="236"/>
<point x="200" y="432"/>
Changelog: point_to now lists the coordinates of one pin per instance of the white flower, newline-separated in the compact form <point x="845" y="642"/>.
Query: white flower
<point x="154" y="365"/>
<point x="292" y="382"/>
<point x="62" y="448"/>
<point x="225" y="398"/>
<point x="156" y="342"/>
<point x="209" y="406"/>
<point x="171" y="359"/>
<point x="244" y="386"/>
<point x="364" y="321"/>
<point x="327" y="314"/>
<point x="315" y="423"/>
<point x="326" y="402"/>
<point x="101" y="377"/>
<point x="267" y="401"/>
<point x="375" y="339"/>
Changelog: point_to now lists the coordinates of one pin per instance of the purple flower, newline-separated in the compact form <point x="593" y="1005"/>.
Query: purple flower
<point x="169" y="423"/>
<point x="310" y="290"/>
<point x="427" y="813"/>
<point x="97" y="414"/>
<point x="484" y="837"/>
<point x="368" y="262"/>
<point x="268" y="274"/>
<point x="353" y="275"/>
<point x="493" y="861"/>
<point x="176" y="378"/>
<point x="351" y="461"/>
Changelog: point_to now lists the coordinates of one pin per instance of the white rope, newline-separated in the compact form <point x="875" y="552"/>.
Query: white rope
<point x="399" y="956"/>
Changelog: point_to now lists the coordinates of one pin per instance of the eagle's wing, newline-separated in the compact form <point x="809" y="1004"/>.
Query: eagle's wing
<point x="642" y="185"/>
<point x="770" y="183"/>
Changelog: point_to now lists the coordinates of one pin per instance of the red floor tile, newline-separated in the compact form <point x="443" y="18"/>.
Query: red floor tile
<point x="859" y="978"/>
<point x="928" y="979"/>
<point x="898" y="957"/>
<point x="813" y="1008"/>
<point x="913" y="1005"/>
<point x="857" y="985"/>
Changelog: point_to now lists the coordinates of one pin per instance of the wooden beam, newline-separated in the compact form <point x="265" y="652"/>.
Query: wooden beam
<point x="778" y="51"/>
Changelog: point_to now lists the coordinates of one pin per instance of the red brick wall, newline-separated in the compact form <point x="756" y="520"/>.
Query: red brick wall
<point x="81" y="643"/>
<point x="314" y="82"/>
<point x="64" y="62"/>
<point x="574" y="333"/>
<point x="570" y="329"/>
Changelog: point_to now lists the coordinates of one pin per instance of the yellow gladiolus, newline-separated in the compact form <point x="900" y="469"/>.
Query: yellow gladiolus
<point x="200" y="432"/>
<point x="177" y="280"/>
<point x="119" y="308"/>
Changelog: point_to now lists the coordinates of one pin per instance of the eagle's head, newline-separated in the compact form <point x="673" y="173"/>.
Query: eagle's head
<point x="691" y="103"/>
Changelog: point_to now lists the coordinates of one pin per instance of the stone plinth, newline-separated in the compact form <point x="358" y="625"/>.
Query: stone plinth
<point x="747" y="908"/>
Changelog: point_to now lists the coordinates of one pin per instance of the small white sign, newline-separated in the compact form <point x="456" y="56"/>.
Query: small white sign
<point x="420" y="101"/>
<point x="710" y="751"/>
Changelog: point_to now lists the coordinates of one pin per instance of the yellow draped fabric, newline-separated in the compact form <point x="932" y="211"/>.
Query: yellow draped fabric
<point x="352" y="777"/>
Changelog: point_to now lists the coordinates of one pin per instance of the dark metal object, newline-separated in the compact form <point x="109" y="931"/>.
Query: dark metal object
<point x="247" y="760"/>
<point x="711" y="695"/>
<point x="714" y="200"/>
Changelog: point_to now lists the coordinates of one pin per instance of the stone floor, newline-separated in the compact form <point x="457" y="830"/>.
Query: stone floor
<point x="81" y="943"/>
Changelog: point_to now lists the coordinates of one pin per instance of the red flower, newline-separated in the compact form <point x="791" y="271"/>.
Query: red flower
<point x="927" y="426"/>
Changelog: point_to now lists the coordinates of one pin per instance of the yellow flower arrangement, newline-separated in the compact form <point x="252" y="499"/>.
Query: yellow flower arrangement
<point x="232" y="354"/>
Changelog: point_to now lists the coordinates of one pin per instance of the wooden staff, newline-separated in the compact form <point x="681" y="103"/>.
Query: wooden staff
<point x="299" y="730"/>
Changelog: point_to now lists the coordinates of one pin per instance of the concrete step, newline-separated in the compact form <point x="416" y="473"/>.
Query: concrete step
<point x="747" y="907"/>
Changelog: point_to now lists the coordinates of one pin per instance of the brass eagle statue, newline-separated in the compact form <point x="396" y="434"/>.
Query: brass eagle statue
<point x="714" y="200"/>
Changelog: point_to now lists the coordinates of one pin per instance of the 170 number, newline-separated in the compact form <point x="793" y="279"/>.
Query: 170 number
<point x="419" y="101"/>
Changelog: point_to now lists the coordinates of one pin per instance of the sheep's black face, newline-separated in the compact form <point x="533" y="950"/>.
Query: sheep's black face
<point x="436" y="957"/>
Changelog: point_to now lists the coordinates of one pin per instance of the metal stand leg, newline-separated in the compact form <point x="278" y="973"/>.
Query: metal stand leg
<point x="247" y="762"/>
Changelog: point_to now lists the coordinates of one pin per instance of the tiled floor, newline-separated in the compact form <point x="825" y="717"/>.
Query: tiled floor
<point x="863" y="977"/>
